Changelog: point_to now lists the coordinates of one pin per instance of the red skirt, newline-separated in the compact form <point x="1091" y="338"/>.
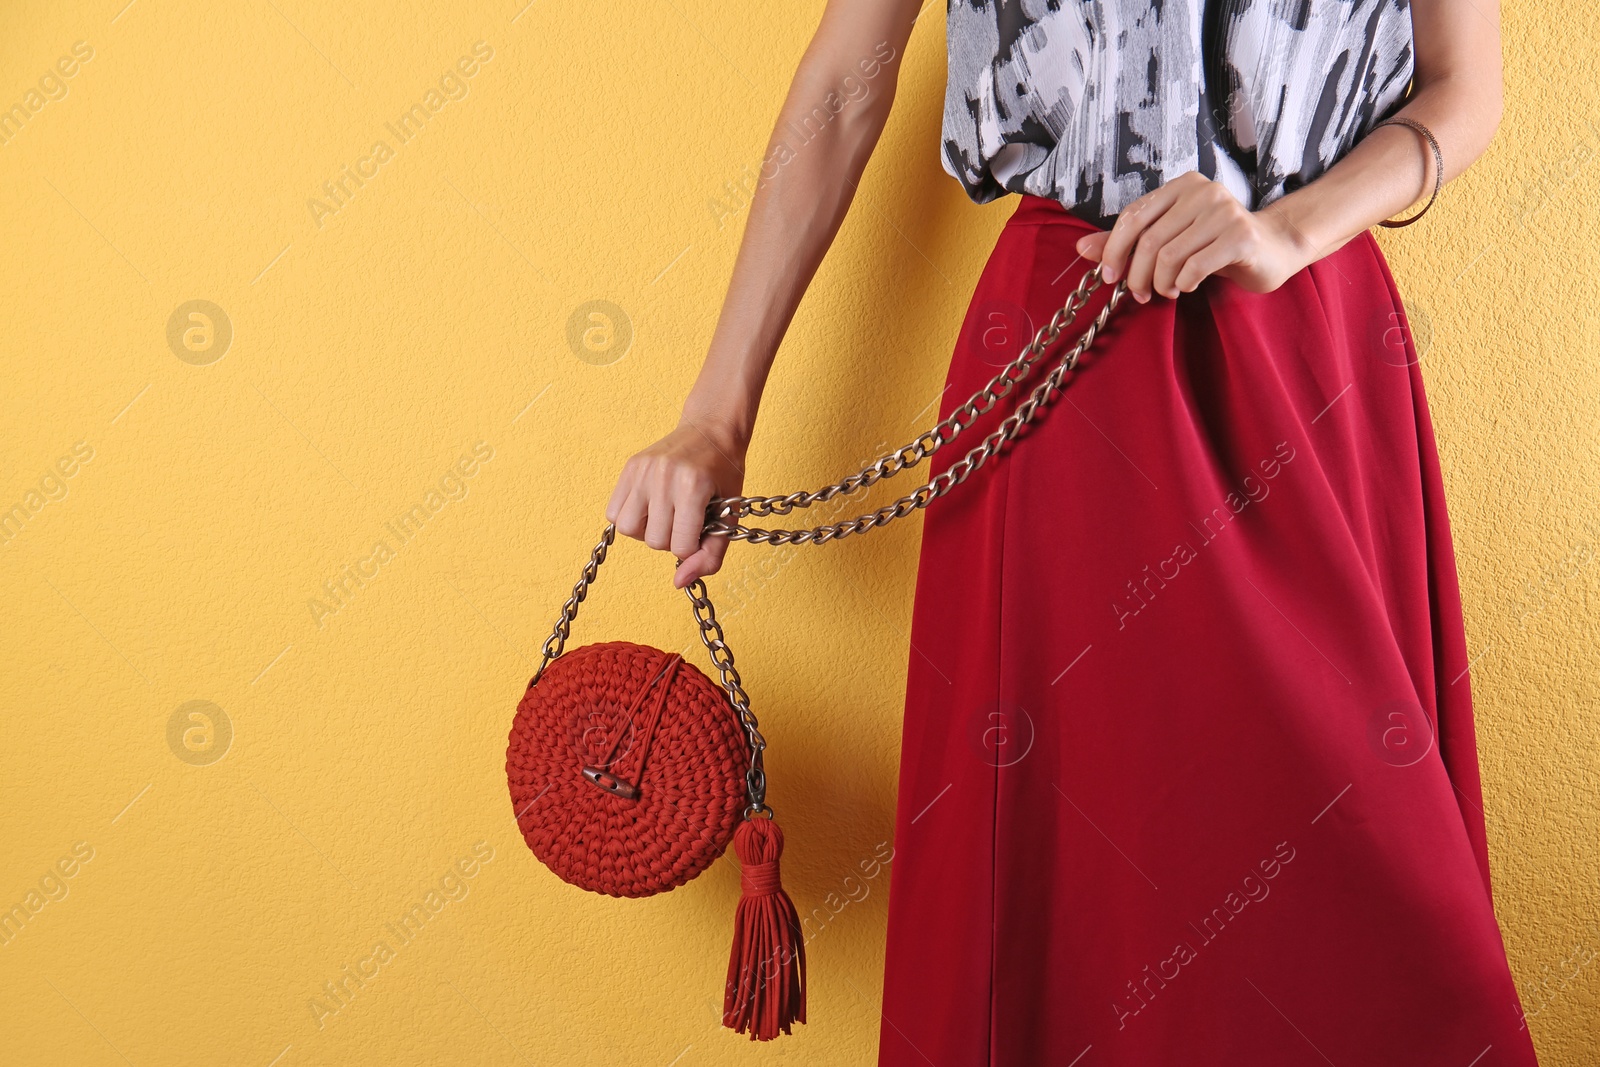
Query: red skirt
<point x="1188" y="772"/>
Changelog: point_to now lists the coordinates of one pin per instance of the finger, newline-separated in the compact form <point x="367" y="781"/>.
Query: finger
<point x="1091" y="246"/>
<point x="631" y="515"/>
<point x="1143" y="264"/>
<point x="1132" y="221"/>
<point x="1175" y="254"/>
<point x="689" y="570"/>
<point x="706" y="560"/>
<point x="619" y="494"/>
<point x="688" y="517"/>
<point x="658" y="523"/>
<point x="1204" y="263"/>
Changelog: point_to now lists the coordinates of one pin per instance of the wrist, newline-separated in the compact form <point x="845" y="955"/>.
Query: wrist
<point x="729" y="431"/>
<point x="1298" y="247"/>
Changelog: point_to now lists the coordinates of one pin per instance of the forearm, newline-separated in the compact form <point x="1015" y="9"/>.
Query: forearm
<point x="1389" y="170"/>
<point x="1457" y="96"/>
<point x="814" y="159"/>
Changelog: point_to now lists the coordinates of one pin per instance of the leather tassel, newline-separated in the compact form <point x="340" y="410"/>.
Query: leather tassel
<point x="766" y="989"/>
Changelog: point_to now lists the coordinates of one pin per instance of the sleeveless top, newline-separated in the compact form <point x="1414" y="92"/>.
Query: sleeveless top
<point x="1094" y="103"/>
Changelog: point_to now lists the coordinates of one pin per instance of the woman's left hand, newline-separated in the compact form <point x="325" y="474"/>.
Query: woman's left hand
<point x="1172" y="238"/>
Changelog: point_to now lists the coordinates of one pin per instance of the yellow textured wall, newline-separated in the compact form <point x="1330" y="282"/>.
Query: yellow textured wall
<point x="430" y="336"/>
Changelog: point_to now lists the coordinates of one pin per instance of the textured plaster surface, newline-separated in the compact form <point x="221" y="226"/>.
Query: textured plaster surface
<point x="345" y="770"/>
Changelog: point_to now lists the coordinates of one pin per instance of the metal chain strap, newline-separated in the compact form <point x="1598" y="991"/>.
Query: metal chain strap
<point x="724" y="511"/>
<point x="755" y="779"/>
<point x="569" y="611"/>
<point x="711" y="636"/>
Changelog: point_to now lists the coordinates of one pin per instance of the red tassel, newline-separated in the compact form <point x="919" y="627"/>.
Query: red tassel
<point x="767" y="970"/>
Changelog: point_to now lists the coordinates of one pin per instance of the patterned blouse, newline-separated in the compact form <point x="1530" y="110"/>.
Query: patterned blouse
<point x="1096" y="102"/>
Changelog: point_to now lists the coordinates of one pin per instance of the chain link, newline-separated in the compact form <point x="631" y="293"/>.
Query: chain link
<point x="711" y="636"/>
<point x="569" y="611"/>
<point x="755" y="778"/>
<point x="723" y="512"/>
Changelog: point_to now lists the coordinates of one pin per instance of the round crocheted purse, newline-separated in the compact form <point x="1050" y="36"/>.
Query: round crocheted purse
<point x="631" y="771"/>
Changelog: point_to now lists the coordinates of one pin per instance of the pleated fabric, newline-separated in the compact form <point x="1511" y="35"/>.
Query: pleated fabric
<point x="1189" y="774"/>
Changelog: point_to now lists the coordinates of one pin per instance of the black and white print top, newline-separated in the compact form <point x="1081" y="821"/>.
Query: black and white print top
<point x="1096" y="102"/>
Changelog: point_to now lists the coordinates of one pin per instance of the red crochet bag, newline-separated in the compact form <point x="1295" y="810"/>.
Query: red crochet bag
<point x="631" y="772"/>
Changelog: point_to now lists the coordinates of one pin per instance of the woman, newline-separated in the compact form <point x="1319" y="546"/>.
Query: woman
<point x="1188" y="773"/>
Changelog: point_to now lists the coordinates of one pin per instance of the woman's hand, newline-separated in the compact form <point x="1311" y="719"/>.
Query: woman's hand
<point x="1172" y="238"/>
<point x="662" y="494"/>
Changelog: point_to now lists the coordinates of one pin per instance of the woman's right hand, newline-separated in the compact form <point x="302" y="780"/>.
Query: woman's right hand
<point x="662" y="495"/>
<point x="848" y="73"/>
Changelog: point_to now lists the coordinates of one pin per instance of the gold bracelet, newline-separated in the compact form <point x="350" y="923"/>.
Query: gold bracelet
<point x="1438" y="166"/>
